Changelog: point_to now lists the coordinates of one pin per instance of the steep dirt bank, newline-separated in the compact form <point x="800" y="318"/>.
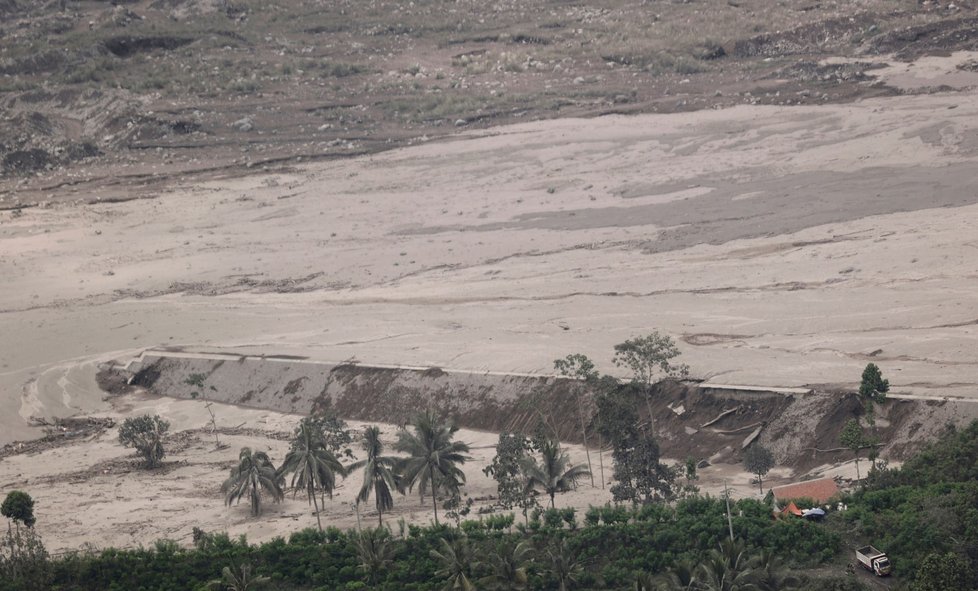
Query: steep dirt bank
<point x="486" y="401"/>
<point x="703" y="421"/>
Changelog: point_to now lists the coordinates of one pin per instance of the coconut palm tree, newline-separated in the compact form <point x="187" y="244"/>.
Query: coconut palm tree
<point x="645" y="582"/>
<point x="379" y="474"/>
<point x="239" y="579"/>
<point x="375" y="552"/>
<point x="769" y="574"/>
<point x="563" y="565"/>
<point x="312" y="465"/>
<point x="726" y="569"/>
<point x="680" y="577"/>
<point x="554" y="473"/>
<point x="433" y="458"/>
<point x="253" y="475"/>
<point x="456" y="560"/>
<point x="507" y="565"/>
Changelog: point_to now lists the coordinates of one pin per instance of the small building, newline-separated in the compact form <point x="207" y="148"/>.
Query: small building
<point x="820" y="491"/>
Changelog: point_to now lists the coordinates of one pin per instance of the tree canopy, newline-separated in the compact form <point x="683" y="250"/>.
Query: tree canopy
<point x="313" y="466"/>
<point x="554" y="472"/>
<point x="145" y="434"/>
<point x="433" y="458"/>
<point x="853" y="437"/>
<point x="18" y="507"/>
<point x="380" y="475"/>
<point x="253" y="476"/>
<point x="758" y="460"/>
<point x="638" y="473"/>
<point x="507" y="470"/>
<point x="649" y="357"/>
<point x="872" y="390"/>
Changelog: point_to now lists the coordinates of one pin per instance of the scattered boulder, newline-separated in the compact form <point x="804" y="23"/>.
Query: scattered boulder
<point x="244" y="125"/>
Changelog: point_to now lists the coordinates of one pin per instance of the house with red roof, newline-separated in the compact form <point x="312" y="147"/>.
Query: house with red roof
<point x="820" y="490"/>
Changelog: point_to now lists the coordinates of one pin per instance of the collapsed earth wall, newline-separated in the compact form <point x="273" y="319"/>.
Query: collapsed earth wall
<point x="703" y="421"/>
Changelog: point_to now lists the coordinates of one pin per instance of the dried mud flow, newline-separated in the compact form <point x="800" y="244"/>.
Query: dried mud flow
<point x="380" y="206"/>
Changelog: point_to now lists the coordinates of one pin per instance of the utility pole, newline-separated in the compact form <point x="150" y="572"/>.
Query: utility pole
<point x="726" y="494"/>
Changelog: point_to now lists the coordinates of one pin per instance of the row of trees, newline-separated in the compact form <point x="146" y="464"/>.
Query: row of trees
<point x="432" y="465"/>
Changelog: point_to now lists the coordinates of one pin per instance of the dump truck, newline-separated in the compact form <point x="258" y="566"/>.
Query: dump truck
<point x="874" y="561"/>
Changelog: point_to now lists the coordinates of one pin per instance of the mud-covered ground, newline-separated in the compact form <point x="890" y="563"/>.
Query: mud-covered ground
<point x="92" y="491"/>
<point x="333" y="181"/>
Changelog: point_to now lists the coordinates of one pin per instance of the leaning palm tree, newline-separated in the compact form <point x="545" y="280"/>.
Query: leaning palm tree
<point x="554" y="473"/>
<point x="507" y="564"/>
<point x="375" y="552"/>
<point x="379" y="474"/>
<point x="456" y="562"/>
<point x="253" y="475"/>
<point x="433" y="458"/>
<point x="312" y="465"/>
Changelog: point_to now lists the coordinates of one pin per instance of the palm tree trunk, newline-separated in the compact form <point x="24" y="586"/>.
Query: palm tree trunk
<point x="760" y="483"/>
<point x="434" y="495"/>
<point x="552" y="505"/>
<point x="316" y="507"/>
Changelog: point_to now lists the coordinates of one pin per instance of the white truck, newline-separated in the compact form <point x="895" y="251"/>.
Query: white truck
<point x="874" y="561"/>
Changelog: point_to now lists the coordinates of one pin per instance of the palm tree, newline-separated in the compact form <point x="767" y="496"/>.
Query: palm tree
<point x="563" y="565"/>
<point x="726" y="569"/>
<point x="680" y="577"/>
<point x="507" y="566"/>
<point x="554" y="473"/>
<point x="433" y="457"/>
<point x="375" y="551"/>
<point x="239" y="579"/>
<point x="455" y="558"/>
<point x="769" y="573"/>
<point x="645" y="582"/>
<point x="378" y="474"/>
<point x="253" y="475"/>
<point x="312" y="465"/>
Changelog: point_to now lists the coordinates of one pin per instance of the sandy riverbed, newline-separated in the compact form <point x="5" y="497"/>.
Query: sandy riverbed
<point x="779" y="246"/>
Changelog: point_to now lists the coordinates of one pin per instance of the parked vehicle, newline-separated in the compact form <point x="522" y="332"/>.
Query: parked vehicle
<point x="874" y="560"/>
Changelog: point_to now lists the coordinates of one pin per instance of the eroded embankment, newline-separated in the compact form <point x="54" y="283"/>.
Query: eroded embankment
<point x="699" y="420"/>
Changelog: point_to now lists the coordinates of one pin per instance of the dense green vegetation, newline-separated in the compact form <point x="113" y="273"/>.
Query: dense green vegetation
<point x="614" y="545"/>
<point x="925" y="515"/>
<point x="925" y="510"/>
